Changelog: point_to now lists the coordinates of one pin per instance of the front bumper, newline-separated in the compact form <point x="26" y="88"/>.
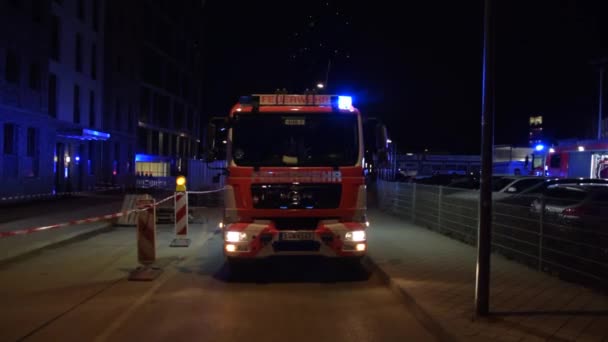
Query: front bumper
<point x="264" y="240"/>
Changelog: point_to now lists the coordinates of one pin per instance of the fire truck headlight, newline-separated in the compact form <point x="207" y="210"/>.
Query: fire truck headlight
<point x="355" y="235"/>
<point x="235" y="236"/>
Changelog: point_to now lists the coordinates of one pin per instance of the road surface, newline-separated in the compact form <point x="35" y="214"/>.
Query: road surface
<point x="80" y="292"/>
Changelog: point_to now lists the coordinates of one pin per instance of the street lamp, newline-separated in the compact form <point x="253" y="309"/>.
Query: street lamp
<point x="320" y="85"/>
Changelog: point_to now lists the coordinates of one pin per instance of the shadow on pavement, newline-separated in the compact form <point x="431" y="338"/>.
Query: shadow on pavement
<point x="293" y="270"/>
<point x="551" y="313"/>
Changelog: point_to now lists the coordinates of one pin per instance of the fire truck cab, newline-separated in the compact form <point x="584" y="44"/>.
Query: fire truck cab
<point x="295" y="183"/>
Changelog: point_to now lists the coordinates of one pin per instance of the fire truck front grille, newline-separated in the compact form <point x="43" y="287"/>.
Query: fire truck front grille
<point x="296" y="196"/>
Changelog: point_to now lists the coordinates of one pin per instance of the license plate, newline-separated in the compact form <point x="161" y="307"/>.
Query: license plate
<point x="297" y="236"/>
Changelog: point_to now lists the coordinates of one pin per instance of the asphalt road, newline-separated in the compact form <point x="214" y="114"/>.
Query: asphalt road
<point x="79" y="292"/>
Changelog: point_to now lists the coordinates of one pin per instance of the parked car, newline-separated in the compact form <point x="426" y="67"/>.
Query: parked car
<point x="573" y="204"/>
<point x="502" y="186"/>
<point x="526" y="196"/>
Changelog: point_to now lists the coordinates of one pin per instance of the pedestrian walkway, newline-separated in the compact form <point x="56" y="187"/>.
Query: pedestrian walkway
<point x="46" y="213"/>
<point x="436" y="277"/>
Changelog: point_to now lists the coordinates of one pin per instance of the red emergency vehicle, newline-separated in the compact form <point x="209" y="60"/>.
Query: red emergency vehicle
<point x="295" y="183"/>
<point x="587" y="159"/>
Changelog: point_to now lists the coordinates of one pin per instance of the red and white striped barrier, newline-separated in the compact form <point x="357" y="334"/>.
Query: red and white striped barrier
<point x="181" y="220"/>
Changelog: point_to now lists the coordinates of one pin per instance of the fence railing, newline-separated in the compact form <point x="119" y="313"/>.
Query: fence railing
<point x="530" y="231"/>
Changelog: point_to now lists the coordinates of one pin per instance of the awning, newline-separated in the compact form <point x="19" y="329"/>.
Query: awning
<point x="84" y="134"/>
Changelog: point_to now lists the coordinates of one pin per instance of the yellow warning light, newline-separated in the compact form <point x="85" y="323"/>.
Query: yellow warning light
<point x="180" y="183"/>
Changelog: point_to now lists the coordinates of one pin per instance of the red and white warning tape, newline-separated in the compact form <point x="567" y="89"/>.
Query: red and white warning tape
<point x="206" y="192"/>
<point x="65" y="224"/>
<point x="90" y="219"/>
<point x="50" y="194"/>
<point x="75" y="222"/>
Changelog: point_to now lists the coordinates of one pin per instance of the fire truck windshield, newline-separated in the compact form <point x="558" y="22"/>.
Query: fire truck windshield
<point x="295" y="139"/>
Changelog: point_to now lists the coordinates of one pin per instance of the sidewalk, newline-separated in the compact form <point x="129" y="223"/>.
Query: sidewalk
<point x="436" y="275"/>
<point x="53" y="212"/>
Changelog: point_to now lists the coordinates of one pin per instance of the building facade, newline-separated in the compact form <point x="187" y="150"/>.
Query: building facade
<point x="50" y="60"/>
<point x="153" y="87"/>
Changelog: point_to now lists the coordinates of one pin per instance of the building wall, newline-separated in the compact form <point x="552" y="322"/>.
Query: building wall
<point x="154" y="82"/>
<point x="23" y="106"/>
<point x="84" y="173"/>
<point x="30" y="125"/>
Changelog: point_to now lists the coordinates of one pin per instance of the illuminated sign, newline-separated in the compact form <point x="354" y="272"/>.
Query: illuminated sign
<point x="296" y="176"/>
<point x="294" y="100"/>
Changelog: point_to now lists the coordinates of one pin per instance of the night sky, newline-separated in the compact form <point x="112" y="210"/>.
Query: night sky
<point x="417" y="68"/>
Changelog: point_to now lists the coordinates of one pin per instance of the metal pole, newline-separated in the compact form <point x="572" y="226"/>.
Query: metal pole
<point x="484" y="237"/>
<point x="601" y="100"/>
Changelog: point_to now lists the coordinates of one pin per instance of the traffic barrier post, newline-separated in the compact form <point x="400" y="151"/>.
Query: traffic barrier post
<point x="181" y="214"/>
<point x="146" y="242"/>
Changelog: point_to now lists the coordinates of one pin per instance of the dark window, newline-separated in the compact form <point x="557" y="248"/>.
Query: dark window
<point x="144" y="107"/>
<point x="116" y="158"/>
<point x="130" y="118"/>
<point x="94" y="61"/>
<point x="118" y="64"/>
<point x="91" y="165"/>
<point x="53" y="95"/>
<point x="12" y="67"/>
<point x="37" y="8"/>
<point x="55" y="37"/>
<point x="9" y="138"/>
<point x="78" y="52"/>
<point x="556" y="161"/>
<point x="80" y="9"/>
<point x="76" y="104"/>
<point x="34" y="80"/>
<point x="117" y="114"/>
<point x="31" y="142"/>
<point x="95" y="14"/>
<point x="92" y="108"/>
<point x="293" y="140"/>
<point x="142" y="140"/>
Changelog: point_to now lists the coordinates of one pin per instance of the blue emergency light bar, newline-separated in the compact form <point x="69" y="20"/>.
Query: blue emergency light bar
<point x="345" y="102"/>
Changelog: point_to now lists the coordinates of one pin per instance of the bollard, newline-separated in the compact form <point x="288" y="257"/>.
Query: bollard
<point x="146" y="242"/>
<point x="181" y="214"/>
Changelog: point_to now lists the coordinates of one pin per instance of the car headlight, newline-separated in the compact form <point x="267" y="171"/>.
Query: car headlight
<point x="355" y="235"/>
<point x="235" y="236"/>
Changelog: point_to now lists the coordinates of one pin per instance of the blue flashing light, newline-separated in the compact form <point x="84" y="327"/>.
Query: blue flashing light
<point x="283" y="207"/>
<point x="310" y="207"/>
<point x="345" y="102"/>
<point x="144" y="157"/>
<point x="539" y="147"/>
<point x="77" y="158"/>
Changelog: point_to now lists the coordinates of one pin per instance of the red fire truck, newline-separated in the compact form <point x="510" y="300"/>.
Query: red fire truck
<point x="295" y="183"/>
<point x="586" y="159"/>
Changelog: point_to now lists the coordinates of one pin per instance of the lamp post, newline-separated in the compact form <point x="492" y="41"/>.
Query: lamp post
<point x="484" y="237"/>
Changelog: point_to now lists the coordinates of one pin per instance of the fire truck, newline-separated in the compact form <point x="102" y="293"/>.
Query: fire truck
<point x="295" y="180"/>
<point x="586" y="159"/>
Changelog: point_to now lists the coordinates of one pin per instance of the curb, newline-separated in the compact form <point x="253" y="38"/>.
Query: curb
<point x="58" y="241"/>
<point x="421" y="315"/>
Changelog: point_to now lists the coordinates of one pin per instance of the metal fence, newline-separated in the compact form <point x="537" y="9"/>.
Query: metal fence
<point x="525" y="231"/>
